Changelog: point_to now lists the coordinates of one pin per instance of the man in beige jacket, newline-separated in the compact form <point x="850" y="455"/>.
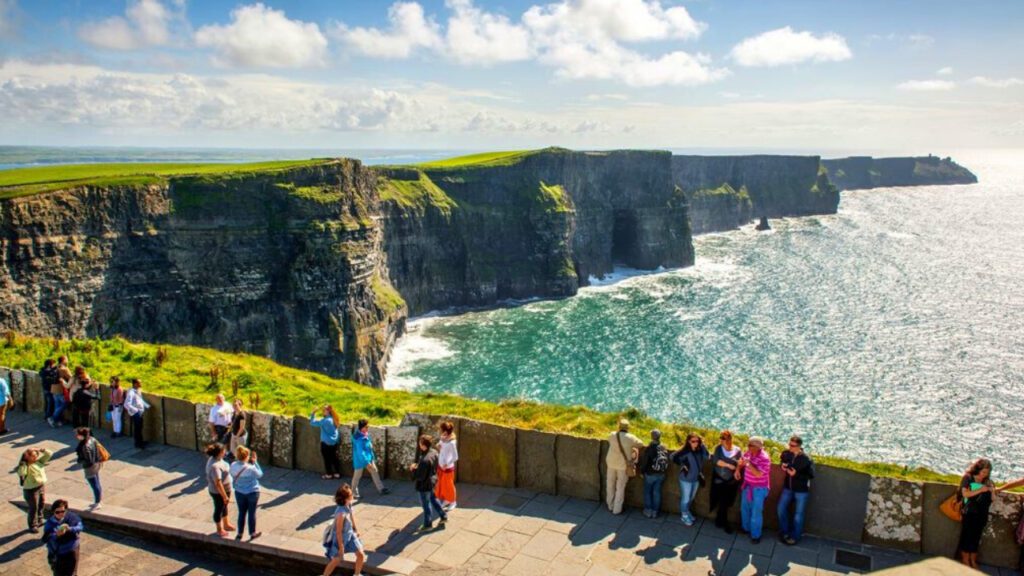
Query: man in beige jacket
<point x="621" y="446"/>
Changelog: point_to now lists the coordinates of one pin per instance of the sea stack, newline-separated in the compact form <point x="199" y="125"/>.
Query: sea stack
<point x="763" y="224"/>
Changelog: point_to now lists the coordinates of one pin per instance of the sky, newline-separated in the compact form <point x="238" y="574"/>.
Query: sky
<point x="921" y="76"/>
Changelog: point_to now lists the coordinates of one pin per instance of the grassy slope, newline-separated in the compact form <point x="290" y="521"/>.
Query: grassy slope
<point x="185" y="373"/>
<point x="28" y="181"/>
<point x="481" y="160"/>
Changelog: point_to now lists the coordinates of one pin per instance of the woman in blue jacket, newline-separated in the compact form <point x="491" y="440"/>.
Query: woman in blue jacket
<point x="328" y="424"/>
<point x="60" y="533"/>
<point x="363" y="458"/>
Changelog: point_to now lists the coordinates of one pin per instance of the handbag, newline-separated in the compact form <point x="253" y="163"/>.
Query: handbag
<point x="630" y="464"/>
<point x="102" y="452"/>
<point x="952" y="507"/>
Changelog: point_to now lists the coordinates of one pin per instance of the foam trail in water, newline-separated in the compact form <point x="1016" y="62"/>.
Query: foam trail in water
<point x="411" y="349"/>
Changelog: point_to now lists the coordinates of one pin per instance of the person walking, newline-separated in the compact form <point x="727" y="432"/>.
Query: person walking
<point x="218" y="483"/>
<point x="91" y="455"/>
<point x="61" y="535"/>
<point x="61" y="392"/>
<point x="755" y="470"/>
<point x="690" y="459"/>
<point x="6" y="403"/>
<point x="245" y="476"/>
<point x="798" y="470"/>
<point x="653" y="465"/>
<point x="448" y="456"/>
<point x="136" y="407"/>
<point x="424" y="475"/>
<point x="238" y="433"/>
<point x="116" y="408"/>
<point x="81" y="402"/>
<point x="724" y="484"/>
<point x="32" y="477"/>
<point x="330" y="437"/>
<point x="976" y="489"/>
<point x="363" y="458"/>
<point x="621" y="463"/>
<point x="48" y="377"/>
<point x="343" y="524"/>
<point x="220" y="420"/>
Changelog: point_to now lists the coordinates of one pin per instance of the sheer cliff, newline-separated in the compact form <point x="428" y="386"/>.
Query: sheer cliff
<point x="867" y="172"/>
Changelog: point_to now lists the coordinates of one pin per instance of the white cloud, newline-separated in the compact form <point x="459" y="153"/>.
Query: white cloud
<point x="483" y="38"/>
<point x="946" y="71"/>
<point x="786" y="46"/>
<point x="409" y="30"/>
<point x="259" y="36"/>
<point x="927" y="85"/>
<point x="146" y="23"/>
<point x="996" y="82"/>
<point x="621" y="20"/>
<point x="920" y="41"/>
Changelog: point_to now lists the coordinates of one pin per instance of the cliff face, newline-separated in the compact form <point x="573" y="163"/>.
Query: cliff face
<point x="719" y="209"/>
<point x="859" y="172"/>
<point x="541" y="226"/>
<point x="286" y="264"/>
<point x="777" y="186"/>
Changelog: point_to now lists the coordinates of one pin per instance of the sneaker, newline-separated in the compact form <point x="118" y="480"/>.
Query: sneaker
<point x="356" y="496"/>
<point x="789" y="541"/>
<point x="424" y="528"/>
<point x="34" y="530"/>
<point x="255" y="536"/>
<point x="451" y="506"/>
<point x="385" y="491"/>
<point x="687" y="521"/>
<point x="755" y="540"/>
<point x="442" y="522"/>
<point x="50" y="422"/>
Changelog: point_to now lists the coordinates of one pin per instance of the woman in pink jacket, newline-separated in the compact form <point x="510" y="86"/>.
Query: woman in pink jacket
<point x="755" y="469"/>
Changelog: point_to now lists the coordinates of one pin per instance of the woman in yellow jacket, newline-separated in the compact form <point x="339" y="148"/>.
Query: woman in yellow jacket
<point x="32" y="475"/>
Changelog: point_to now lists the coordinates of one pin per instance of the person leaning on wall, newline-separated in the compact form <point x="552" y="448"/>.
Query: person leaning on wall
<point x="623" y="452"/>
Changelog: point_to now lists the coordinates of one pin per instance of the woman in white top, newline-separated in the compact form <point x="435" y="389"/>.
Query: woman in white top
<point x="449" y="455"/>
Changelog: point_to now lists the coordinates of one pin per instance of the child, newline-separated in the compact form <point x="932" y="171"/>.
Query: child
<point x="344" y="523"/>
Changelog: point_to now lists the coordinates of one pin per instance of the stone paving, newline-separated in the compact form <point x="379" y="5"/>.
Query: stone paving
<point x="493" y="532"/>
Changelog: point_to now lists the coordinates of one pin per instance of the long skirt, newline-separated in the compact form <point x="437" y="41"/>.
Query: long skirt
<point x="445" y="489"/>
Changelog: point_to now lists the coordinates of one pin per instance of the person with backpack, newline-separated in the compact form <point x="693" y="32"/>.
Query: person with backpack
<point x="623" y="450"/>
<point x="653" y="465"/>
<point x="32" y="477"/>
<point x="798" y="470"/>
<point x="724" y="484"/>
<point x="48" y="377"/>
<point x="343" y="523"/>
<point x="91" y="455"/>
<point x="690" y="459"/>
<point x="61" y="535"/>
<point x="424" y="474"/>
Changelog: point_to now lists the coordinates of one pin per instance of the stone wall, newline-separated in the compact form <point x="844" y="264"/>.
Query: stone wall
<point x="845" y="505"/>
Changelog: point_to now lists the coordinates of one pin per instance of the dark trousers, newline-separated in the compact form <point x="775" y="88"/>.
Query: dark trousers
<point x="48" y="404"/>
<point x="36" y="500"/>
<point x="137" y="430"/>
<point x="220" y="507"/>
<point x="428" y="500"/>
<point x="65" y="564"/>
<point x="247" y="508"/>
<point x="79" y="417"/>
<point x="332" y="463"/>
<point x="220" y="434"/>
<point x="723" y="495"/>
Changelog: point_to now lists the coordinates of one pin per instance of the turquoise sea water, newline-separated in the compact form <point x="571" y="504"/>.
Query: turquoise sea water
<point x="892" y="331"/>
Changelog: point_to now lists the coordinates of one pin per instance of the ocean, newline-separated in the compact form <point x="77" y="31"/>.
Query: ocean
<point x="892" y="331"/>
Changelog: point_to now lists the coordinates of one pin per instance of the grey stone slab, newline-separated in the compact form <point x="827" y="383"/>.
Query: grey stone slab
<point x="401" y="450"/>
<point x="578" y="472"/>
<point x="832" y="517"/>
<point x="204" y="437"/>
<point x="379" y="441"/>
<point x="536" y="464"/>
<point x="487" y="454"/>
<point x="180" y="423"/>
<point x="998" y="546"/>
<point x="16" y="383"/>
<point x="153" y="419"/>
<point x="282" y="442"/>
<point x="307" y="446"/>
<point x="34" y="402"/>
<point x="939" y="535"/>
<point x="894" y="514"/>
<point x="260" y="434"/>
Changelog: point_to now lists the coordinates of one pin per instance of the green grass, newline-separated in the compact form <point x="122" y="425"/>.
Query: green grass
<point x="484" y="159"/>
<point x="185" y="373"/>
<point x="417" y="193"/>
<point x="35" y="180"/>
<point x="385" y="295"/>
<point x="724" y="190"/>
<point x="555" y="198"/>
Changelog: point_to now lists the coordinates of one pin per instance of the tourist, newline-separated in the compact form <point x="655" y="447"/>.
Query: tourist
<point x="622" y="456"/>
<point x="61" y="535"/>
<point x="6" y="403"/>
<point x="218" y="483"/>
<point x="755" y="470"/>
<point x="48" y="377"/>
<point x="344" y="523"/>
<point x="77" y="380"/>
<point x="448" y="456"/>
<point x="363" y="458"/>
<point x="653" y="465"/>
<point x="136" y="406"/>
<point x="220" y="420"/>
<point x="32" y="477"/>
<point x="724" y="483"/>
<point x="690" y="459"/>
<point x="239" y="431"/>
<point x="424" y="474"/>
<point x="116" y="407"/>
<point x="60" y="390"/>
<point x="245" y="476"/>
<point x="81" y="402"/>
<point x="976" y="489"/>
<point x="798" y="470"/>
<point x="328" y="423"/>
<point x="91" y="455"/>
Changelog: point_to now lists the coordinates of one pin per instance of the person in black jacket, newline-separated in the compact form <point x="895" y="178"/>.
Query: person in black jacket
<point x="48" y="376"/>
<point x="81" y="403"/>
<point x="424" y="474"/>
<point x="798" y="469"/>
<point x="724" y="483"/>
<point x="653" y="465"/>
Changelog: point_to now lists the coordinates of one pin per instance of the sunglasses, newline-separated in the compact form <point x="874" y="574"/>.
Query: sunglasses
<point x="694" y="441"/>
<point x="59" y="512"/>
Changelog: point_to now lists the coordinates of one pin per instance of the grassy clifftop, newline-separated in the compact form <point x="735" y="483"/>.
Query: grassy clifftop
<point x="187" y="372"/>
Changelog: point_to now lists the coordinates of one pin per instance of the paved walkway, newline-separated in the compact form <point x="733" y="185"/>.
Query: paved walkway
<point x="494" y="532"/>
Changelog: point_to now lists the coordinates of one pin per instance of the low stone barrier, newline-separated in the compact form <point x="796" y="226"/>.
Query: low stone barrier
<point x="307" y="446"/>
<point x="180" y="423"/>
<point x="894" y="513"/>
<point x="488" y="454"/>
<point x="998" y="542"/>
<point x="260" y="434"/>
<point x="152" y="419"/>
<point x="577" y="472"/>
<point x="17" y="386"/>
<point x="33" y="392"/>
<point x="824" y="508"/>
<point x="536" y="464"/>
<point x="283" y="442"/>
<point x="401" y="448"/>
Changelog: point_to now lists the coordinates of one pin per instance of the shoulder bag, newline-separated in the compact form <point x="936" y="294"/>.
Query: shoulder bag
<point x="630" y="463"/>
<point x="952" y="507"/>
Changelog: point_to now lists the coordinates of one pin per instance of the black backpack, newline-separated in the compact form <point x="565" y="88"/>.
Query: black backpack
<point x="656" y="459"/>
<point x="49" y="377"/>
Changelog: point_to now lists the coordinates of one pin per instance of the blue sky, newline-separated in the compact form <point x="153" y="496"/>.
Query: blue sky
<point x="800" y="75"/>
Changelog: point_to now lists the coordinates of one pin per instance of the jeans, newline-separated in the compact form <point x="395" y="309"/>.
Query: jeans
<point x="58" y="408"/>
<point x="687" y="491"/>
<point x="652" y="492"/>
<point x="793" y="528"/>
<point x="428" y="500"/>
<point x="247" y="507"/>
<point x="137" y="430"/>
<point x="752" y="510"/>
<point x="97" y="490"/>
<point x="48" y="404"/>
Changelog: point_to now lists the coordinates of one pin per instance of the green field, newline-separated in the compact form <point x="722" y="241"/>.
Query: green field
<point x="186" y="372"/>
<point x="28" y="181"/>
<point x="481" y="160"/>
